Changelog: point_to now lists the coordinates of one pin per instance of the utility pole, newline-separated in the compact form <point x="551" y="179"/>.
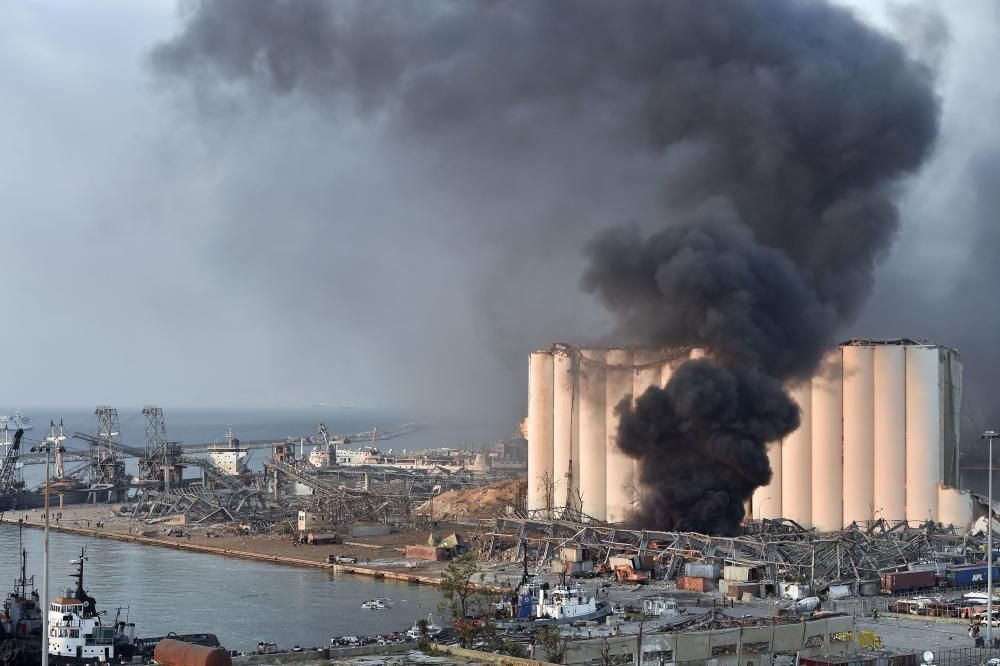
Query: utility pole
<point x="52" y="442"/>
<point x="989" y="436"/>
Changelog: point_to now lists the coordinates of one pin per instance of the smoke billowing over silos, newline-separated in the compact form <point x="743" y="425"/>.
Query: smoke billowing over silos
<point x="776" y="133"/>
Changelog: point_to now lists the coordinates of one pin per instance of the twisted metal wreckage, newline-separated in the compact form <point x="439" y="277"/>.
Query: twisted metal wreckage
<point x="781" y="550"/>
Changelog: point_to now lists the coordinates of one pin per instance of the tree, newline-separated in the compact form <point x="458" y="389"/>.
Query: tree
<point x="553" y="643"/>
<point x="547" y="489"/>
<point x="466" y="600"/>
<point x="424" y="642"/>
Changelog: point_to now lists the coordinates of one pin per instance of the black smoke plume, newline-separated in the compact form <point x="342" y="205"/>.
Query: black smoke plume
<point x="705" y="429"/>
<point x="775" y="134"/>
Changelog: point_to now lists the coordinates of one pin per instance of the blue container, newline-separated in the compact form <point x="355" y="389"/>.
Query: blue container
<point x="971" y="575"/>
<point x="524" y="606"/>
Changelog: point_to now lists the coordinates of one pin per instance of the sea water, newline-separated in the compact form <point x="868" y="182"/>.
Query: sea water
<point x="241" y="601"/>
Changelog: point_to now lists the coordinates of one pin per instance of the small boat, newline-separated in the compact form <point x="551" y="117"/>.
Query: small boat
<point x="376" y="604"/>
<point x="432" y="629"/>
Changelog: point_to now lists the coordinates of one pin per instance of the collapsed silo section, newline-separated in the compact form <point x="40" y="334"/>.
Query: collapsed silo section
<point x="619" y="473"/>
<point x="565" y="427"/>
<point x="796" y="461"/>
<point x="955" y="507"/>
<point x="827" y="452"/>
<point x="540" y="436"/>
<point x="889" y="396"/>
<point x="859" y="433"/>
<point x="923" y="432"/>
<point x="593" y="435"/>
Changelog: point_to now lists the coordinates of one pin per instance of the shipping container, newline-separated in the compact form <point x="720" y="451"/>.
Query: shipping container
<point x="736" y="589"/>
<point x="696" y="584"/>
<point x="426" y="553"/>
<point x="973" y="574"/>
<point x="743" y="574"/>
<point x="902" y="581"/>
<point x="701" y="570"/>
<point x="368" y="529"/>
<point x="571" y="554"/>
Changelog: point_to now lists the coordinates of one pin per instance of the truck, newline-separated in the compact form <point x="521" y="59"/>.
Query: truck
<point x="341" y="559"/>
<point x="626" y="574"/>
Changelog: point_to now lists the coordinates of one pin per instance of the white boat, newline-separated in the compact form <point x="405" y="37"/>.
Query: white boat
<point x="76" y="633"/>
<point x="376" y="604"/>
<point x="432" y="629"/>
<point x="538" y="605"/>
<point x="15" y="422"/>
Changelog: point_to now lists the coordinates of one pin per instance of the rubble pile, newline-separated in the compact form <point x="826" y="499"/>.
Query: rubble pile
<point x="502" y="498"/>
<point x="777" y="551"/>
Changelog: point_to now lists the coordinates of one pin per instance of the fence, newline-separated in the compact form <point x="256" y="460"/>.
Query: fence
<point x="966" y="656"/>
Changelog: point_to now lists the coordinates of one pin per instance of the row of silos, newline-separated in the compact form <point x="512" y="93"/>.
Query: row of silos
<point x="573" y="457"/>
<point x="878" y="436"/>
<point x="878" y="439"/>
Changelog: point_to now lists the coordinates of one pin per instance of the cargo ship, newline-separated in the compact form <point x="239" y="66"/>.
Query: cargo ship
<point x="63" y="490"/>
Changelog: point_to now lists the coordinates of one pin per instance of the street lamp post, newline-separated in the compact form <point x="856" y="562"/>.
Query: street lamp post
<point x="52" y="443"/>
<point x="989" y="436"/>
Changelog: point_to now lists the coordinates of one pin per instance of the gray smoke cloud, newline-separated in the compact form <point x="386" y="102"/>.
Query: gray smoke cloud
<point x="772" y="136"/>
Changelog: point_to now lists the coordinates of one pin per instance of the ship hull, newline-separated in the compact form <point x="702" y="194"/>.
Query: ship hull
<point x="36" y="500"/>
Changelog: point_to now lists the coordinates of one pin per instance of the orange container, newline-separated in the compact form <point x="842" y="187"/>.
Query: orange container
<point x="170" y="652"/>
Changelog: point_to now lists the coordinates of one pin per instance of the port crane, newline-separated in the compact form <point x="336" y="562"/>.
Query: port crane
<point x="9" y="465"/>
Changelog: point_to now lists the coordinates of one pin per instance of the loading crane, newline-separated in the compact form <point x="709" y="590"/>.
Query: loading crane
<point x="7" y="483"/>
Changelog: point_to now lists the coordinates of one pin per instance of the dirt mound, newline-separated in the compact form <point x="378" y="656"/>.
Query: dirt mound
<point x="484" y="502"/>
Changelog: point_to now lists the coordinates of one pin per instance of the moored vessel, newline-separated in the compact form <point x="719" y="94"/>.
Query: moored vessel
<point x="22" y="614"/>
<point x="539" y="605"/>
<point x="433" y="630"/>
<point x="76" y="633"/>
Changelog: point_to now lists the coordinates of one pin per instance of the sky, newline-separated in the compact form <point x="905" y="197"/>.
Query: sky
<point x="193" y="250"/>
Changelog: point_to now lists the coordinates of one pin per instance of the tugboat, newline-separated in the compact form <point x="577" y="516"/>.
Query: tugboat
<point x="22" y="615"/>
<point x="537" y="605"/>
<point x="76" y="634"/>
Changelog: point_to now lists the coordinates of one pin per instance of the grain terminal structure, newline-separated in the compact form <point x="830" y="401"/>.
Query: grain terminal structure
<point x="878" y="438"/>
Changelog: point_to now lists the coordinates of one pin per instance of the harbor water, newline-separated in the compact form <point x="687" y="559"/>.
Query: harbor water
<point x="240" y="601"/>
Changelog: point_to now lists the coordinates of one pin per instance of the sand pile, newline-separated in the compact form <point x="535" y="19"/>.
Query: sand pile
<point x="484" y="502"/>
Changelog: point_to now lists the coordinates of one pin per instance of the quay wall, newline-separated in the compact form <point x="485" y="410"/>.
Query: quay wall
<point x="240" y="554"/>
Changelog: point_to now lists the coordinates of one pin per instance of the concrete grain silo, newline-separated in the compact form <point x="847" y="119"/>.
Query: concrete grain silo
<point x="592" y="380"/>
<point x="619" y="470"/>
<point x="796" y="461"/>
<point x="889" y="398"/>
<point x="827" y="434"/>
<point x="859" y="433"/>
<point x="540" y="411"/>
<point x="923" y="432"/>
<point x="565" y="425"/>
